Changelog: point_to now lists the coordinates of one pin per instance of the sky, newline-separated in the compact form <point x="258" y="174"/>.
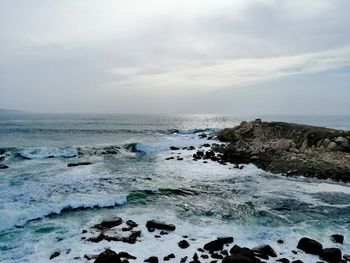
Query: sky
<point x="176" y="57"/>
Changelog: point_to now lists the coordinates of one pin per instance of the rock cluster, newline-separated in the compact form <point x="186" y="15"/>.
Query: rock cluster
<point x="288" y="148"/>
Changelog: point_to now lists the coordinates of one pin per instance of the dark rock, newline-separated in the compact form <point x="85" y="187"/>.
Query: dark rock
<point x="126" y="255"/>
<point x="157" y="236"/>
<point x="283" y="260"/>
<point x="179" y="158"/>
<point x="217" y="256"/>
<point x="168" y="257"/>
<point x="90" y="256"/>
<point x="125" y="261"/>
<point x="183" y="244"/>
<point x="294" y="252"/>
<point x="195" y="256"/>
<point x="237" y="258"/>
<point x="204" y="256"/>
<point x="224" y="252"/>
<point x="202" y="135"/>
<point x="160" y="225"/>
<point x="331" y="255"/>
<point x="297" y="261"/>
<point x="337" y="238"/>
<point x="201" y="250"/>
<point x="164" y="233"/>
<point x="183" y="260"/>
<point x="310" y="246"/>
<point x="55" y="254"/>
<point x="173" y="148"/>
<point x="185" y="236"/>
<point x="126" y="229"/>
<point x="108" y="224"/>
<point x="108" y="256"/>
<point x="244" y="254"/>
<point x="191" y="148"/>
<point x="152" y="259"/>
<point x="169" y="158"/>
<point x="280" y="241"/>
<point x="78" y="164"/>
<point x="83" y="231"/>
<point x="206" y="145"/>
<point x="97" y="239"/>
<point x="264" y="251"/>
<point x="150" y="229"/>
<point x="218" y="244"/>
<point x="3" y="166"/>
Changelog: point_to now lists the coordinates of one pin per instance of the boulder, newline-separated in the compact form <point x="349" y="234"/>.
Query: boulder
<point x="281" y="145"/>
<point x="126" y="255"/>
<point x="264" y="251"/>
<point x="332" y="255"/>
<point x="336" y="238"/>
<point x="131" y="223"/>
<point x="152" y="259"/>
<point x="154" y="224"/>
<point x="108" y="224"/>
<point x="108" y="256"/>
<point x="183" y="244"/>
<point x="55" y="254"/>
<point x="310" y="246"/>
<point x="218" y="244"/>
<point x="237" y="258"/>
<point x="243" y="253"/>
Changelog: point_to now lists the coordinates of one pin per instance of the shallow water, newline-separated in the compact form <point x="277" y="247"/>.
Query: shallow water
<point x="44" y="205"/>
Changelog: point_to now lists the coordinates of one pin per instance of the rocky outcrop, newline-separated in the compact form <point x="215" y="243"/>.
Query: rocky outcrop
<point x="292" y="149"/>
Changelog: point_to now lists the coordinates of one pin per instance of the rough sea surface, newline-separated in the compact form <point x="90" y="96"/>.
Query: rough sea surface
<point x="44" y="205"/>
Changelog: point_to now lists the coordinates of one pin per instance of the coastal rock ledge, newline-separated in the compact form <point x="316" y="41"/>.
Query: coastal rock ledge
<point x="288" y="148"/>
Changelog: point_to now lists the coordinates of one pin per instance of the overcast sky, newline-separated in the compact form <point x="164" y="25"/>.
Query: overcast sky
<point x="178" y="56"/>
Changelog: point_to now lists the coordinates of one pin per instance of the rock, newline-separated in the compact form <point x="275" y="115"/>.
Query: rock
<point x="168" y="257"/>
<point x="153" y="224"/>
<point x="297" y="261"/>
<point x="183" y="244"/>
<point x="55" y="254"/>
<point x="78" y="164"/>
<point x="217" y="256"/>
<point x="244" y="254"/>
<point x="108" y="256"/>
<point x="169" y="158"/>
<point x="333" y="146"/>
<point x="3" y="166"/>
<point x="337" y="238"/>
<point x="281" y="145"/>
<point x="183" y="260"/>
<point x="173" y="148"/>
<point x="280" y="241"/>
<point x="90" y="256"/>
<point x="341" y="141"/>
<point x="283" y="260"/>
<point x="152" y="259"/>
<point x="265" y="251"/>
<point x="202" y="135"/>
<point x="218" y="244"/>
<point x="108" y="224"/>
<point x="310" y="246"/>
<point x="191" y="148"/>
<point x="346" y="257"/>
<point x="126" y="255"/>
<point x="206" y="145"/>
<point x="179" y="158"/>
<point x="331" y="255"/>
<point x="204" y="256"/>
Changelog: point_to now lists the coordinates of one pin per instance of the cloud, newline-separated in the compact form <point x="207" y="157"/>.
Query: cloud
<point x="212" y="74"/>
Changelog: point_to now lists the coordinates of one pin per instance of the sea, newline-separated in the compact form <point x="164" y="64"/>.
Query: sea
<point x="45" y="205"/>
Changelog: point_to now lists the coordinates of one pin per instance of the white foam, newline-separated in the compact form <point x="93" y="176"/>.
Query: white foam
<point x="44" y="152"/>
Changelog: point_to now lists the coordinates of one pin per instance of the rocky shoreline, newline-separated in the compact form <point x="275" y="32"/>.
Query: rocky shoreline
<point x="221" y="249"/>
<point x="287" y="148"/>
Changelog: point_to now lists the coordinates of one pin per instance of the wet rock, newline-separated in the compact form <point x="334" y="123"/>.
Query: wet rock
<point x="283" y="260"/>
<point x="201" y="250"/>
<point x="150" y="229"/>
<point x="191" y="148"/>
<point x="310" y="246"/>
<point x="152" y="259"/>
<point x="90" y="256"/>
<point x="224" y="252"/>
<point x="206" y="145"/>
<point x="337" y="238"/>
<point x="217" y="256"/>
<point x="126" y="255"/>
<point x="183" y="244"/>
<point x="183" y="260"/>
<point x="108" y="224"/>
<point x="169" y="158"/>
<point x="331" y="255"/>
<point x="125" y="261"/>
<point x="3" y="166"/>
<point x="239" y="255"/>
<point x="108" y="256"/>
<point x="218" y="244"/>
<point x="157" y="236"/>
<point x="78" y="164"/>
<point x="297" y="261"/>
<point x="174" y="148"/>
<point x="346" y="257"/>
<point x="55" y="254"/>
<point x="168" y="257"/>
<point x="125" y="229"/>
<point x="160" y="225"/>
<point x="163" y="233"/>
<point x="264" y="251"/>
<point x="280" y="241"/>
<point x="179" y="158"/>
<point x="204" y="256"/>
<point x="202" y="135"/>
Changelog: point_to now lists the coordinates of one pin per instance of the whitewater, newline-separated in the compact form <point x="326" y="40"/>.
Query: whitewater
<point x="45" y="205"/>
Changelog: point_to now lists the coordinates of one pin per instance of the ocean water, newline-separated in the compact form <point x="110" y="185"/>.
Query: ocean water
<point x="44" y="205"/>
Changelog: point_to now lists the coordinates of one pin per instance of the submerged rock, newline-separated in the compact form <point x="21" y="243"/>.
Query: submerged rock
<point x="78" y="164"/>
<point x="3" y="166"/>
<point x="152" y="259"/>
<point x="55" y="254"/>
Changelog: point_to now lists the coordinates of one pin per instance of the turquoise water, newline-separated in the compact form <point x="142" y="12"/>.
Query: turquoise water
<point x="44" y="205"/>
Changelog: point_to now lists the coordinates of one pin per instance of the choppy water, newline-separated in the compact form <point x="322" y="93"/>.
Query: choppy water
<point x="44" y="204"/>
